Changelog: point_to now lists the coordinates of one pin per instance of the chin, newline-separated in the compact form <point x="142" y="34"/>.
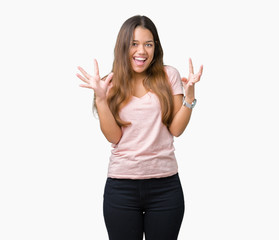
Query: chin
<point x="136" y="69"/>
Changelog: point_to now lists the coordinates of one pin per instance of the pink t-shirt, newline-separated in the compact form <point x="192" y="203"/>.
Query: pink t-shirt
<point x="145" y="149"/>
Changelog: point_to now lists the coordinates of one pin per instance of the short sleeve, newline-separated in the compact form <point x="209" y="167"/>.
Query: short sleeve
<point x="175" y="80"/>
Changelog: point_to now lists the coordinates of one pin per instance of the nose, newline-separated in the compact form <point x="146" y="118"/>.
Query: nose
<point x="141" y="48"/>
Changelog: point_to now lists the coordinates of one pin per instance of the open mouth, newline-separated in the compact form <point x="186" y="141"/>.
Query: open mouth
<point x="139" y="60"/>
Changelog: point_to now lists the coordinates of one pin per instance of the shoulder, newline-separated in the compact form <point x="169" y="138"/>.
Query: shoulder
<point x="171" y="71"/>
<point x="174" y="79"/>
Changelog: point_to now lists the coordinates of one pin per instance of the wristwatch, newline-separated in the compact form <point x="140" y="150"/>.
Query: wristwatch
<point x="188" y="105"/>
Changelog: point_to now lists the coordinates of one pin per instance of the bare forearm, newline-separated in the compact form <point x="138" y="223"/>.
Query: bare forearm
<point x="108" y="125"/>
<point x="180" y="121"/>
<point x="183" y="115"/>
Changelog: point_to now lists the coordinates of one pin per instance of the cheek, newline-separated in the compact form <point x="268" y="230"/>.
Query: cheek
<point x="130" y="54"/>
<point x="151" y="55"/>
<point x="152" y="52"/>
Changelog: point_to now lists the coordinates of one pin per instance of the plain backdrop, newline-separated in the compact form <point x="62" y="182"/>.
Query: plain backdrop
<point x="54" y="157"/>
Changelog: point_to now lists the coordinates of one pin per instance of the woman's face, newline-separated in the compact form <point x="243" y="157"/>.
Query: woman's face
<point x="141" y="50"/>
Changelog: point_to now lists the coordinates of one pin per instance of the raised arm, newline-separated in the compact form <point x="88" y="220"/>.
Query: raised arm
<point x="108" y="125"/>
<point x="182" y="114"/>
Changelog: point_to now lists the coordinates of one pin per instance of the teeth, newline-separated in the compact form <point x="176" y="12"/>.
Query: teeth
<point x="141" y="59"/>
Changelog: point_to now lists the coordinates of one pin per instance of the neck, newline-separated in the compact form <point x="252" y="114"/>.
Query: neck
<point x="139" y="77"/>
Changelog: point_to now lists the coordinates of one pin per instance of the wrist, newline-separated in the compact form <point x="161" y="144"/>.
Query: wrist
<point x="100" y="101"/>
<point x="189" y="99"/>
<point x="189" y="103"/>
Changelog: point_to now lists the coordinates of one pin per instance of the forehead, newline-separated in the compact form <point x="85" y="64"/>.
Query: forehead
<point x="142" y="34"/>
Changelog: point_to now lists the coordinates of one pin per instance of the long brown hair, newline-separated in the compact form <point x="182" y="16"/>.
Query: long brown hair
<point x="156" y="81"/>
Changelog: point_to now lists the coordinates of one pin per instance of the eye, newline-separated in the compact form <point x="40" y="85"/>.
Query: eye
<point x="134" y="44"/>
<point x="149" y="45"/>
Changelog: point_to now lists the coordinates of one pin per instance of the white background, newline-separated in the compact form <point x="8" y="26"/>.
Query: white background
<point x="54" y="158"/>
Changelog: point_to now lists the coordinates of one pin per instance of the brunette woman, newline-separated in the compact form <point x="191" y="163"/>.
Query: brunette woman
<point x="141" y="105"/>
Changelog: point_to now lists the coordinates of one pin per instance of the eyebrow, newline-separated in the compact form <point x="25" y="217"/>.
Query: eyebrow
<point x="146" y="41"/>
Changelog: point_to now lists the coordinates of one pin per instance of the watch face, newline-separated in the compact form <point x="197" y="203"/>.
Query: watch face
<point x="194" y="103"/>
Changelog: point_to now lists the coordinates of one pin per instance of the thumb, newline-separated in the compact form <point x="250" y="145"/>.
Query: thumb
<point x="184" y="79"/>
<point x="108" y="79"/>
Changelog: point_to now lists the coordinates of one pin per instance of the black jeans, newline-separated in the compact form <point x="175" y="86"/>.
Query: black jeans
<point x="154" y="207"/>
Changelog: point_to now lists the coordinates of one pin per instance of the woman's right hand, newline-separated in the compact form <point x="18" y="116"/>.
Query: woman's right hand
<point x="94" y="82"/>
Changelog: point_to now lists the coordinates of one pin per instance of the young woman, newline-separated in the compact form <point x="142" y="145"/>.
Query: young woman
<point x="141" y="107"/>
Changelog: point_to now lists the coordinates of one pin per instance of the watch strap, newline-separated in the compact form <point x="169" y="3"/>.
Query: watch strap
<point x="189" y="105"/>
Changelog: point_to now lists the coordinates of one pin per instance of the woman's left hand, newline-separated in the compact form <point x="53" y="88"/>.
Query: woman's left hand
<point x="189" y="83"/>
